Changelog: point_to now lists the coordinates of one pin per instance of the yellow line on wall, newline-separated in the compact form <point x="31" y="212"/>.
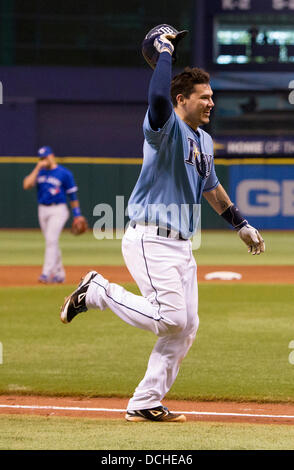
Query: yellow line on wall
<point x="138" y="161"/>
<point x="91" y="160"/>
<point x="101" y="160"/>
<point x="254" y="161"/>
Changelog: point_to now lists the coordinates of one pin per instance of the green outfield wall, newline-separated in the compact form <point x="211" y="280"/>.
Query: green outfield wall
<point x="99" y="181"/>
<point x="262" y="188"/>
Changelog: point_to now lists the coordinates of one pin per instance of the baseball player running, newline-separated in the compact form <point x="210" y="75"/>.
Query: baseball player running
<point x="177" y="169"/>
<point x="54" y="184"/>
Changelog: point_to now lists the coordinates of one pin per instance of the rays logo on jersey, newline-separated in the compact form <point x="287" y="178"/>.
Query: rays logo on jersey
<point x="202" y="161"/>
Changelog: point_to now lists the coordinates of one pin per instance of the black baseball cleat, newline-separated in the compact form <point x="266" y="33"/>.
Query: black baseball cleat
<point x="160" y="413"/>
<point x="75" y="303"/>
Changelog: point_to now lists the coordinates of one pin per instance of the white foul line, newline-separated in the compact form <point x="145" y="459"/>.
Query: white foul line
<point x="116" y="410"/>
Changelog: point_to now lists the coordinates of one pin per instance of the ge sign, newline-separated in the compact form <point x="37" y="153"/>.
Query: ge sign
<point x="265" y="198"/>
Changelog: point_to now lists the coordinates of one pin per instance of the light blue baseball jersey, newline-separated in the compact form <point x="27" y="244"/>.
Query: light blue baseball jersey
<point x="54" y="185"/>
<point x="178" y="166"/>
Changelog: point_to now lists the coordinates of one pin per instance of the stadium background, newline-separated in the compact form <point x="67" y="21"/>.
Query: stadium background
<point x="73" y="77"/>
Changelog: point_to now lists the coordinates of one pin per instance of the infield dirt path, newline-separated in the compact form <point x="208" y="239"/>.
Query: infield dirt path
<point x="114" y="408"/>
<point x="28" y="275"/>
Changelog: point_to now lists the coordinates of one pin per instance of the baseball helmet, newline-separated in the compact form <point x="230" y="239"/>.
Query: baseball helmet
<point x="148" y="50"/>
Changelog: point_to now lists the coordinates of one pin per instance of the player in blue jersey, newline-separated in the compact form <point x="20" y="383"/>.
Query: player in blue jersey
<point x="55" y="184"/>
<point x="178" y="169"/>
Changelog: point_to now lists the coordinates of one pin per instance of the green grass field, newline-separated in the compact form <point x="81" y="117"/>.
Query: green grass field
<point x="55" y="433"/>
<point x="241" y="351"/>
<point x="222" y="247"/>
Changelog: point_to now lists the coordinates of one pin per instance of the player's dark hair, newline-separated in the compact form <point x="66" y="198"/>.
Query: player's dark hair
<point x="184" y="82"/>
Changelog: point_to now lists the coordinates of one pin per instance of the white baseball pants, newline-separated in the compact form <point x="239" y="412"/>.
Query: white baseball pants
<point x="52" y="220"/>
<point x="166" y="274"/>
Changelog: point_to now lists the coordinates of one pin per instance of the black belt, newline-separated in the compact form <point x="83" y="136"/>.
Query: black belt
<point x="52" y="204"/>
<point x="162" y="232"/>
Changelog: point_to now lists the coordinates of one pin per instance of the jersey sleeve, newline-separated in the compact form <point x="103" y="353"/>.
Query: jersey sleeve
<point x="159" y="99"/>
<point x="69" y="184"/>
<point x="155" y="138"/>
<point x="212" y="181"/>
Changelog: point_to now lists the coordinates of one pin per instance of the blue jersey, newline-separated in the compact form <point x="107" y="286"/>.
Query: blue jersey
<point x="54" y="185"/>
<point x="178" y="166"/>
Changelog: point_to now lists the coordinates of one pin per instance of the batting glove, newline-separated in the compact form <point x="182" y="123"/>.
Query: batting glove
<point x="162" y="43"/>
<point x="253" y="239"/>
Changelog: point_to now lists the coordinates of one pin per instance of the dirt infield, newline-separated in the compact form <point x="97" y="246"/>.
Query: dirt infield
<point x="114" y="408"/>
<point x="28" y="275"/>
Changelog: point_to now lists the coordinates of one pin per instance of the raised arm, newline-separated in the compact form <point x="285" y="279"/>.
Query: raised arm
<point x="30" y="180"/>
<point x="160" y="106"/>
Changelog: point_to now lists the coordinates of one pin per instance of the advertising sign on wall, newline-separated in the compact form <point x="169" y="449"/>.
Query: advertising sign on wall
<point x="264" y="194"/>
